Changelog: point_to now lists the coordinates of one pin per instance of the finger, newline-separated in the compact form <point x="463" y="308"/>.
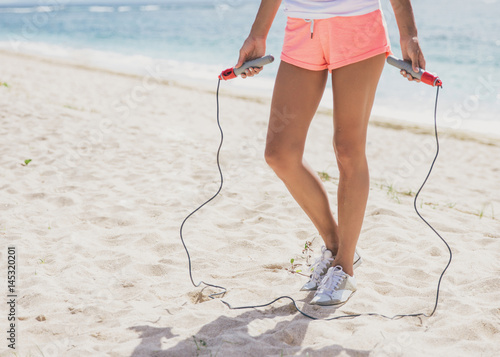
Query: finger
<point x="421" y="60"/>
<point x="413" y="79"/>
<point x="257" y="70"/>
<point x="415" y="62"/>
<point x="241" y="59"/>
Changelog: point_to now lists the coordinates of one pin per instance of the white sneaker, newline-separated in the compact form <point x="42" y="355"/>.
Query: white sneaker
<point x="335" y="288"/>
<point x="321" y="265"/>
<point x="319" y="269"/>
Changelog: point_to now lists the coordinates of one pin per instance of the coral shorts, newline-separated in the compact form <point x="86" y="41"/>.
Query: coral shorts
<point x="336" y="41"/>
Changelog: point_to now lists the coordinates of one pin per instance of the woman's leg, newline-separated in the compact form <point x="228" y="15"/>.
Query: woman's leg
<point x="354" y="89"/>
<point x="296" y="97"/>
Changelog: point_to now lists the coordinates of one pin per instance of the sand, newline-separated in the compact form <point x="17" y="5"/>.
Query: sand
<point x="119" y="160"/>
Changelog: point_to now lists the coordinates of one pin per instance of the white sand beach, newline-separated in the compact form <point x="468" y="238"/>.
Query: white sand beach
<point x="118" y="161"/>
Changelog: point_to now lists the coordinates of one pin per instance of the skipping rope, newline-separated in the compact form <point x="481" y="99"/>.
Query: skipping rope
<point x="434" y="82"/>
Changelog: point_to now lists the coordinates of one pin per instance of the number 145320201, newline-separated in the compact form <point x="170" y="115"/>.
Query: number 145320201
<point x="11" y="269"/>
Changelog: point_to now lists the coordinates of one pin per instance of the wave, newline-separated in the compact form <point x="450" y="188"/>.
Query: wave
<point x="124" y="8"/>
<point x="101" y="9"/>
<point x="44" y="9"/>
<point x="18" y="10"/>
<point x="150" y="8"/>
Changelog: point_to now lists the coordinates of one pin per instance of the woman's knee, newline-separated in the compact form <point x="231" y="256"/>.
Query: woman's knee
<point x="350" y="155"/>
<point x="275" y="157"/>
<point x="280" y="159"/>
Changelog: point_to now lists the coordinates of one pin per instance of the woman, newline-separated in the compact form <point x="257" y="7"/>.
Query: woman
<point x="347" y="38"/>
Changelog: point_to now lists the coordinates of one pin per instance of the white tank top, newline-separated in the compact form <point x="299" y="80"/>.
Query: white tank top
<point x="322" y="9"/>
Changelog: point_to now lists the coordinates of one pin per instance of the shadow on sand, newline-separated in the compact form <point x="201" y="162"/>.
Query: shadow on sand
<point x="230" y="336"/>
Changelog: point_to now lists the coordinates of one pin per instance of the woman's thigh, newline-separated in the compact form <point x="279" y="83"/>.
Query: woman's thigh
<point x="297" y="93"/>
<point x="354" y="88"/>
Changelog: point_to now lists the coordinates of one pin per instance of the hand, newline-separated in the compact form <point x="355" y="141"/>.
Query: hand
<point x="252" y="48"/>
<point x="410" y="49"/>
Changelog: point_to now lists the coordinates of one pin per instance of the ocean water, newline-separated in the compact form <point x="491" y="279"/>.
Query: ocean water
<point x="196" y="39"/>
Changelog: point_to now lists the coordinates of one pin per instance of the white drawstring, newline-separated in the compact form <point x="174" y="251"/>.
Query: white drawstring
<point x="312" y="25"/>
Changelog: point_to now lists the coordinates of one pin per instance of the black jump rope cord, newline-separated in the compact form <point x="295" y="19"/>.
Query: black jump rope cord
<point x="224" y="290"/>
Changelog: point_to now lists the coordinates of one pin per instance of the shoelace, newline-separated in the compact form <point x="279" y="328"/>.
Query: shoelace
<point x="319" y="265"/>
<point x="331" y="280"/>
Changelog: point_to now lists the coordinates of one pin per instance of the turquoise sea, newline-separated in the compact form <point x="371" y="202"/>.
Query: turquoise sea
<point x="200" y="38"/>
